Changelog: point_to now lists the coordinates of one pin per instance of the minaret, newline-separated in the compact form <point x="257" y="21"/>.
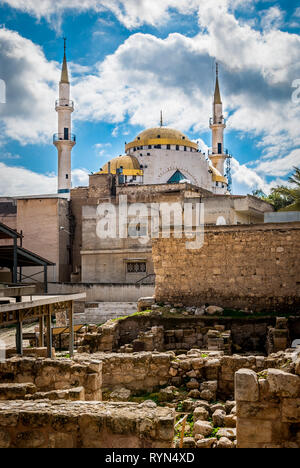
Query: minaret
<point x="218" y="125"/>
<point x="64" y="140"/>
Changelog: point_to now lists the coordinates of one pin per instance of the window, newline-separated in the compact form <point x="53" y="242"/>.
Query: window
<point x="185" y="148"/>
<point x="219" y="148"/>
<point x="139" y="138"/>
<point x="168" y="147"/>
<point x="177" y="147"/>
<point x="150" y="147"/>
<point x="136" y="267"/>
<point x="67" y="176"/>
<point x="176" y="178"/>
<point x="158" y="136"/>
<point x="158" y="146"/>
<point x="148" y="154"/>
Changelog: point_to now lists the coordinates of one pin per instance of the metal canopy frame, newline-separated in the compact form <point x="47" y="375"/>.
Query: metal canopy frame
<point x="42" y="308"/>
<point x="13" y="256"/>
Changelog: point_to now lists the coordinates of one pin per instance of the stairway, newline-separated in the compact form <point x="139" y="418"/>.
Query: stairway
<point x="101" y="312"/>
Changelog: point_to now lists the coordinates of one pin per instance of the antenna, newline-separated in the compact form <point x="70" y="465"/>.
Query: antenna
<point x="228" y="172"/>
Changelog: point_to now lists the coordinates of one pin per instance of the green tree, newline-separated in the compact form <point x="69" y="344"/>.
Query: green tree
<point x="283" y="197"/>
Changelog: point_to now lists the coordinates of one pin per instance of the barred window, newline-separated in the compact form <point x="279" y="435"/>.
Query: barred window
<point x="136" y="267"/>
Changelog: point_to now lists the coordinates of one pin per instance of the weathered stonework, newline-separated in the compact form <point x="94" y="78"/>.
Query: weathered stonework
<point x="141" y="372"/>
<point x="85" y="425"/>
<point x="268" y="409"/>
<point x="49" y="375"/>
<point x="253" y="266"/>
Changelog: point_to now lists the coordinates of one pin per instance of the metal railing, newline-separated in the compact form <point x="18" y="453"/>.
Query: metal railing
<point x="64" y="103"/>
<point x="61" y="137"/>
<point x="214" y="121"/>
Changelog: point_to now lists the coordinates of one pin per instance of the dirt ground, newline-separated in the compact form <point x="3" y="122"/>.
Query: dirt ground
<point x="8" y="335"/>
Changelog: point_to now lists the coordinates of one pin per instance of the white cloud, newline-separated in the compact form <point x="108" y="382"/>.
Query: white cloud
<point x="281" y="166"/>
<point x="18" y="181"/>
<point x="31" y="86"/>
<point x="131" y="13"/>
<point x="272" y="18"/>
<point x="297" y="12"/>
<point x="80" y="177"/>
<point x="246" y="180"/>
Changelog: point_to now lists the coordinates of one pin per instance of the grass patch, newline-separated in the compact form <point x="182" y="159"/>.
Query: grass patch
<point x="136" y="314"/>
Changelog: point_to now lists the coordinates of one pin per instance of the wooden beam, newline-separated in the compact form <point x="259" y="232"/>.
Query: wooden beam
<point x="71" y="328"/>
<point x="19" y="335"/>
<point x="49" y="332"/>
<point x="41" y="332"/>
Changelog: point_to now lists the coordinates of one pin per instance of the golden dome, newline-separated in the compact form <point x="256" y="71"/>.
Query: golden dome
<point x="162" y="132"/>
<point x="161" y="136"/>
<point x="129" y="164"/>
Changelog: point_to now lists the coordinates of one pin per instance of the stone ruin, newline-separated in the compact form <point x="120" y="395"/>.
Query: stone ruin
<point x="165" y="377"/>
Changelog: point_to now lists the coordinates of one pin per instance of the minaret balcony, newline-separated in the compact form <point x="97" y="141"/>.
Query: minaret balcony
<point x="61" y="137"/>
<point x="216" y="121"/>
<point x="64" y="103"/>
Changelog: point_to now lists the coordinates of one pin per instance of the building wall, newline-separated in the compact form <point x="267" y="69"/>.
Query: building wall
<point x="282" y="217"/>
<point x="105" y="292"/>
<point x="247" y="266"/>
<point x="40" y="220"/>
<point x="159" y="165"/>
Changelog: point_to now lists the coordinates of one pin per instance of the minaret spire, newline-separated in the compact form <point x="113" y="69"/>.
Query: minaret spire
<point x="161" y="119"/>
<point x="217" y="97"/>
<point x="218" y="125"/>
<point x="64" y="71"/>
<point x="64" y="140"/>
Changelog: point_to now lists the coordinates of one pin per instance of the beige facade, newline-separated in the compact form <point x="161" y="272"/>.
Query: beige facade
<point x="41" y="219"/>
<point x="98" y="260"/>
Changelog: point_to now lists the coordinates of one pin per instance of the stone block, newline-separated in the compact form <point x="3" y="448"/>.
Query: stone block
<point x="291" y="410"/>
<point x="251" y="431"/>
<point x="283" y="384"/>
<point x="246" y="385"/>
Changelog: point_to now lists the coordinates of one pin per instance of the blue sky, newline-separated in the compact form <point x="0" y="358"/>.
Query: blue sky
<point x="131" y="58"/>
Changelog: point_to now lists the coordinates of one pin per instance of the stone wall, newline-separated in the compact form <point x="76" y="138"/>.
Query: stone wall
<point x="85" y="425"/>
<point x="268" y="409"/>
<point x="182" y="333"/>
<point x="142" y="372"/>
<point x="54" y="375"/>
<point x="196" y="368"/>
<point x="253" y="266"/>
<point x="146" y="372"/>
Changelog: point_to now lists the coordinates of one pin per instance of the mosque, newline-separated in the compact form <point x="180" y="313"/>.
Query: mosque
<point x="161" y="164"/>
<point x="159" y="155"/>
